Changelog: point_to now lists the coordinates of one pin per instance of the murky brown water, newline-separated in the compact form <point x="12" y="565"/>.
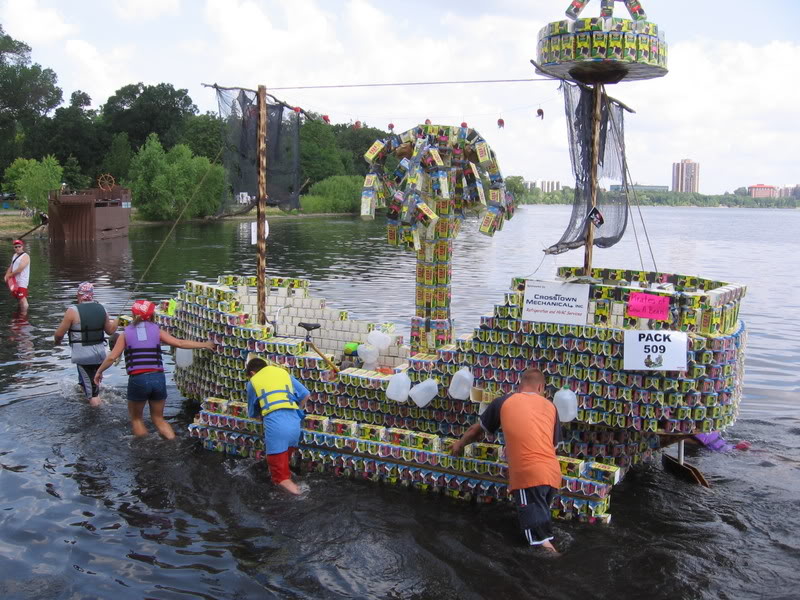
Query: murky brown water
<point x="88" y="512"/>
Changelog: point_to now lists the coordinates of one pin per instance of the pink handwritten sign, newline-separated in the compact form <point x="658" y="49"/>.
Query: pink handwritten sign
<point x="648" y="306"/>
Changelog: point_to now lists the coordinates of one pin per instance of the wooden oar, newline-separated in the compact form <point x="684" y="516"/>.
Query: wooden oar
<point x="681" y="469"/>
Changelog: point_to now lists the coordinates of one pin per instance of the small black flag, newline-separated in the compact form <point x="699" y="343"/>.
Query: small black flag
<point x="595" y="216"/>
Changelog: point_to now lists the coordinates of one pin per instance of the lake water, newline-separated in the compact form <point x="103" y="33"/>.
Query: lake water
<point x="86" y="511"/>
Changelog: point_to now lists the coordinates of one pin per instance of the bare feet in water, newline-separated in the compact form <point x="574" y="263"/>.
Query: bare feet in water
<point x="290" y="486"/>
<point x="549" y="547"/>
<point x="94" y="401"/>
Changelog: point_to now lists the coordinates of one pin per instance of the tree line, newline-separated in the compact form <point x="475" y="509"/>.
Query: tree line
<point x="738" y="199"/>
<point x="151" y="138"/>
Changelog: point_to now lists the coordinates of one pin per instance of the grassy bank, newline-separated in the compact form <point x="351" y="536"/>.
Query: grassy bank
<point x="13" y="224"/>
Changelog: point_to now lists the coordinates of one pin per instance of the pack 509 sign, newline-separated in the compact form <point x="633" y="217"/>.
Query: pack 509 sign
<point x="551" y="302"/>
<point x="661" y="350"/>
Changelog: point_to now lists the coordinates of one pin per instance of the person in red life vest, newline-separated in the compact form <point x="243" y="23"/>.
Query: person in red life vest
<point x="18" y="275"/>
<point x="86" y="322"/>
<point x="279" y="399"/>
<point x="532" y="431"/>
<point x="141" y="342"/>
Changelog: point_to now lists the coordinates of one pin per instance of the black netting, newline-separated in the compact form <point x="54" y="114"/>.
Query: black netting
<point x="613" y="206"/>
<point x="239" y="111"/>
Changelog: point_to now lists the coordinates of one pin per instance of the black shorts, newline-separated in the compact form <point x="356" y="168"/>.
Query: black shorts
<point x="533" y="508"/>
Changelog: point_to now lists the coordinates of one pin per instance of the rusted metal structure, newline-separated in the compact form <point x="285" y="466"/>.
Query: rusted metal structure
<point x="93" y="214"/>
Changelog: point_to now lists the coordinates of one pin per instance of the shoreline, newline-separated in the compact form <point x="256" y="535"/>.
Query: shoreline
<point x="9" y="234"/>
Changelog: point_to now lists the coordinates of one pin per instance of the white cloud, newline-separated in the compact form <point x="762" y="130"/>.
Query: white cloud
<point x="100" y="73"/>
<point x="728" y="105"/>
<point x="146" y="10"/>
<point x="28" y="21"/>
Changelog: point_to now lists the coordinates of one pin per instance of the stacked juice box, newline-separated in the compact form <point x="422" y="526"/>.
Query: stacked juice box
<point x="436" y="183"/>
<point x="413" y="459"/>
<point x="634" y="47"/>
<point x="351" y="427"/>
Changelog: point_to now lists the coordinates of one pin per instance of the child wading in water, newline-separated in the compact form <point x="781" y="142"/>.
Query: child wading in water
<point x="141" y="342"/>
<point x="279" y="399"/>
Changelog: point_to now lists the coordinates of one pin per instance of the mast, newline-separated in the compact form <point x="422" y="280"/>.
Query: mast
<point x="596" y="114"/>
<point x="261" y="265"/>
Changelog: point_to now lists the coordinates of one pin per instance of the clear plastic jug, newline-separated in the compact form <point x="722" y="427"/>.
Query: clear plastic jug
<point x="567" y="404"/>
<point x="461" y="384"/>
<point x="399" y="386"/>
<point x="423" y="393"/>
<point x="183" y="358"/>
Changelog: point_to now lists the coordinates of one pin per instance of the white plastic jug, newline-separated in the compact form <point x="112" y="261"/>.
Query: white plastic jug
<point x="567" y="404"/>
<point x="380" y="340"/>
<point x="183" y="358"/>
<point x="399" y="386"/>
<point x="424" y="392"/>
<point x="461" y="384"/>
<point x="369" y="354"/>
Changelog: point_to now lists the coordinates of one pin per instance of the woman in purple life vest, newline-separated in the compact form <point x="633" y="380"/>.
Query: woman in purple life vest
<point x="141" y="341"/>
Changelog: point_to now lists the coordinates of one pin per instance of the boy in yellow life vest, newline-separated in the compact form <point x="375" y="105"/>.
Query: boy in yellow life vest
<point x="279" y="399"/>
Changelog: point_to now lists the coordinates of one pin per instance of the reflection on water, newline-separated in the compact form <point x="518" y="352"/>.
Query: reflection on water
<point x="90" y="512"/>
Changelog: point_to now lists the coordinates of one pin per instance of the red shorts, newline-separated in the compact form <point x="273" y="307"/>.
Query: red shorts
<point x="279" y="465"/>
<point x="20" y="293"/>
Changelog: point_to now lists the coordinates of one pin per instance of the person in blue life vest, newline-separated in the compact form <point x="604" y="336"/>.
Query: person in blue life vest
<point x="279" y="399"/>
<point x="141" y="342"/>
<point x="85" y="323"/>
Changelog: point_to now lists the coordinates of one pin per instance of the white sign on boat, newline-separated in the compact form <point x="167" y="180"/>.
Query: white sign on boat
<point x="654" y="350"/>
<point x="553" y="302"/>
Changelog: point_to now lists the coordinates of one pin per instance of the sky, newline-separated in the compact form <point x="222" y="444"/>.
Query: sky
<point x="729" y="101"/>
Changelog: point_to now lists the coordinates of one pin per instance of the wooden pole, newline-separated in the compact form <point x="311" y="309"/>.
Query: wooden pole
<point x="596" y="105"/>
<point x="261" y="265"/>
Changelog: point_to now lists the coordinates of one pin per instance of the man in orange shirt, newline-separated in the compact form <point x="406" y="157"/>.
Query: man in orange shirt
<point x="531" y="430"/>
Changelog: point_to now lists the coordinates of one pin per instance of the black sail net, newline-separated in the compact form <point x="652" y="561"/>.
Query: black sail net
<point x="238" y="109"/>
<point x="613" y="206"/>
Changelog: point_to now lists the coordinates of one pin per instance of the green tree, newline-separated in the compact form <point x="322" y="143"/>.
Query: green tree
<point x="14" y="172"/>
<point x="118" y="160"/>
<point x="338" y="194"/>
<point x="73" y="175"/>
<point x="516" y="185"/>
<point x="353" y="143"/>
<point x="73" y="130"/>
<point x="742" y="191"/>
<point x="203" y="134"/>
<point x="140" y="110"/>
<point x="162" y="183"/>
<point x="319" y="156"/>
<point x="27" y="93"/>
<point x="37" y="180"/>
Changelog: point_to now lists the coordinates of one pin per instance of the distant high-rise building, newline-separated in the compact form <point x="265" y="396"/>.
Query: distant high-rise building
<point x="763" y="191"/>
<point x="686" y="176"/>
<point x="549" y="186"/>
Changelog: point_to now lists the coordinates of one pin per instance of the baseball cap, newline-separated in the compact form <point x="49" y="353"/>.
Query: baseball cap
<point x="17" y="243"/>
<point x="143" y="309"/>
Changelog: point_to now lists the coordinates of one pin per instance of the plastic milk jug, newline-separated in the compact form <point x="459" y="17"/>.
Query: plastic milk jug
<point x="567" y="404"/>
<point x="369" y="354"/>
<point x="423" y="393"/>
<point x="183" y="358"/>
<point x="399" y="386"/>
<point x="461" y="384"/>
<point x="380" y="340"/>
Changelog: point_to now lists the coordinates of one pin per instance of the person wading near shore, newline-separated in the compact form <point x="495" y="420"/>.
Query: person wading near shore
<point x="18" y="275"/>
<point x="531" y="430"/>
<point x="141" y="341"/>
<point x="279" y="399"/>
<point x="86" y="322"/>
